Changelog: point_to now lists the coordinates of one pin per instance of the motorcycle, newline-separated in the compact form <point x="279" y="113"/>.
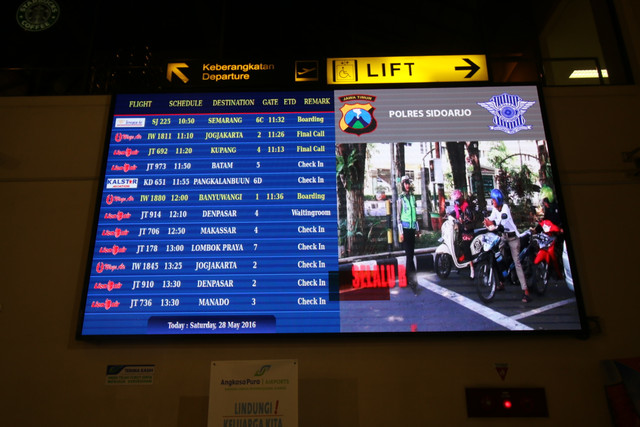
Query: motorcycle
<point x="493" y="267"/>
<point x="546" y="255"/>
<point x="446" y="254"/>
<point x="568" y="276"/>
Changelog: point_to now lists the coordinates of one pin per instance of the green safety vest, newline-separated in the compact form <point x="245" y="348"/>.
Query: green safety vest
<point x="408" y="213"/>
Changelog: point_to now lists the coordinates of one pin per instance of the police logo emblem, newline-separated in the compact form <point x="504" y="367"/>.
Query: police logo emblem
<point x="37" y="15"/>
<point x="357" y="118"/>
<point x="508" y="112"/>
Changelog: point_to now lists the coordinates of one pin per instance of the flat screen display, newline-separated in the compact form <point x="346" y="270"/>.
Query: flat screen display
<point x="329" y="212"/>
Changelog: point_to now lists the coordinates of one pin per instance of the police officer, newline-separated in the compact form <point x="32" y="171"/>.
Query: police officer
<point x="409" y="225"/>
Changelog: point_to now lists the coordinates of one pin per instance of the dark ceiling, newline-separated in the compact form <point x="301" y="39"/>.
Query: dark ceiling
<point x="99" y="34"/>
<point x="238" y="29"/>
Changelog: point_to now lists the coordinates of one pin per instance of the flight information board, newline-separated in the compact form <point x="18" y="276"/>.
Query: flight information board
<point x="223" y="204"/>
<point x="275" y="212"/>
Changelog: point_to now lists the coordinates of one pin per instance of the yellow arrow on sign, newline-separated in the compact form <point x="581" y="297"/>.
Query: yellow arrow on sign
<point x="174" y="68"/>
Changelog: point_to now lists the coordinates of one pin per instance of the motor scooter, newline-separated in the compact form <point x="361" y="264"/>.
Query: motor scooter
<point x="546" y="255"/>
<point x="446" y="255"/>
<point x="494" y="267"/>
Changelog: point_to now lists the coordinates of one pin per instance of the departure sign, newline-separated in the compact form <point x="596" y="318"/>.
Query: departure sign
<point x="273" y="212"/>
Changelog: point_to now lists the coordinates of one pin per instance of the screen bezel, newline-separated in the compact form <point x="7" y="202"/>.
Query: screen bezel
<point x="582" y="332"/>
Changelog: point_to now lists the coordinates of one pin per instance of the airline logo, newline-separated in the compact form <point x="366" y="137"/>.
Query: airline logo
<point x="115" y="233"/>
<point x="109" y="286"/>
<point x="119" y="137"/>
<point x="119" y="216"/>
<point x="125" y="168"/>
<point x="120" y="183"/>
<point x="130" y="122"/>
<point x="105" y="266"/>
<point x="115" y="250"/>
<point x="128" y="152"/>
<point x="111" y="199"/>
<point x="107" y="304"/>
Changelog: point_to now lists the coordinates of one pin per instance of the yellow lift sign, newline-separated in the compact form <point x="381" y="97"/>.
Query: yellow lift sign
<point x="408" y="69"/>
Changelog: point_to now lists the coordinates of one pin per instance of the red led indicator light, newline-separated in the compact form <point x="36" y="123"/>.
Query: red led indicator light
<point x="506" y="404"/>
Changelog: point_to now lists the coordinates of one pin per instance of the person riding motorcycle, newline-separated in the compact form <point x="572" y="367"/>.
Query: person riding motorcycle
<point x="500" y="217"/>
<point x="550" y="207"/>
<point x="551" y="213"/>
<point x="464" y="216"/>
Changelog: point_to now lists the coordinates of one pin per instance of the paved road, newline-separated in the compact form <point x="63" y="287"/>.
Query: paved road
<point x="452" y="305"/>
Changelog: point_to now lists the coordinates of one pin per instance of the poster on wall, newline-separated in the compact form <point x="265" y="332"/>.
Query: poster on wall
<point x="253" y="393"/>
<point x="130" y="374"/>
<point x="622" y="387"/>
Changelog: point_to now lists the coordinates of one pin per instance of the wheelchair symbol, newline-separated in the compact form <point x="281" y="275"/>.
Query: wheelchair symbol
<point x="344" y="74"/>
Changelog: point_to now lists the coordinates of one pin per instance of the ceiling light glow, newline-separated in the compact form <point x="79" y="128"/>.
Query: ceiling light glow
<point x="588" y="74"/>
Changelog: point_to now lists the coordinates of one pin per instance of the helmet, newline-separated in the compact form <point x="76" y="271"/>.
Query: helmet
<point x="546" y="193"/>
<point x="405" y="178"/>
<point x="497" y="196"/>
<point x="456" y="196"/>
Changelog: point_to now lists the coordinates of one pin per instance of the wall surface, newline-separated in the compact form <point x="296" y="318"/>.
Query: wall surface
<point x="49" y="163"/>
<point x="50" y="157"/>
